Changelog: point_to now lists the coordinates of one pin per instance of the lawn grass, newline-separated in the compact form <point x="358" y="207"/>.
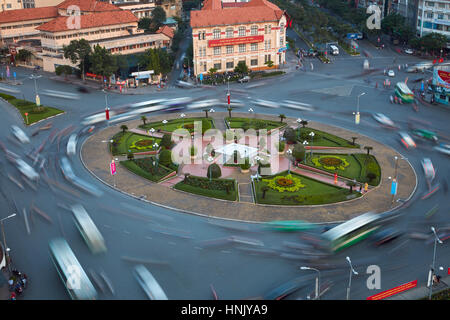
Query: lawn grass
<point x="251" y="123"/>
<point x="35" y="113"/>
<point x="133" y="166"/>
<point x="359" y="165"/>
<point x="124" y="142"/>
<point x="324" y="139"/>
<point x="174" y="124"/>
<point x="208" y="191"/>
<point x="314" y="193"/>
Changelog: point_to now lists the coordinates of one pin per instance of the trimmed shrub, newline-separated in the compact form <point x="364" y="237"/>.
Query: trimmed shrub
<point x="299" y="152"/>
<point x="193" y="151"/>
<point x="246" y="165"/>
<point x="290" y="135"/>
<point x="166" y="141"/>
<point x="165" y="157"/>
<point x="371" y="176"/>
<point x="281" y="146"/>
<point x="214" y="171"/>
<point x="130" y="156"/>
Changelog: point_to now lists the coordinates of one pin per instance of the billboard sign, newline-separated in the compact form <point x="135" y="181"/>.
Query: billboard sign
<point x="234" y="41"/>
<point x="352" y="36"/>
<point x="113" y="167"/>
<point x="441" y="78"/>
<point x="393" y="291"/>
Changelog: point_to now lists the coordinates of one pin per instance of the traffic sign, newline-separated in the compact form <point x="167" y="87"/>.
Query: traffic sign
<point x="201" y="76"/>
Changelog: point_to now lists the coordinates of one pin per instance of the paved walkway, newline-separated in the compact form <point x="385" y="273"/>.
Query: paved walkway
<point x="95" y="154"/>
<point x="422" y="291"/>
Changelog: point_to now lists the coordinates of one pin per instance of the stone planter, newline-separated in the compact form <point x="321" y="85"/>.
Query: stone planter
<point x="245" y="171"/>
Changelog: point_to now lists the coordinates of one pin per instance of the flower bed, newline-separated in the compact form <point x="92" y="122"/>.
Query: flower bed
<point x="331" y="162"/>
<point x="288" y="183"/>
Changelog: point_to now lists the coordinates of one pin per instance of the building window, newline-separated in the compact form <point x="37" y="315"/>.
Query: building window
<point x="270" y="28"/>
<point x="254" y="30"/>
<point x="229" y="49"/>
<point x="217" y="51"/>
<point x="281" y="41"/>
<point x="267" y="58"/>
<point x="254" y="62"/>
<point x="242" y="48"/>
<point x="254" y="47"/>
<point x="230" y="65"/>
<point x="430" y="4"/>
<point x="204" y="66"/>
<point x="216" y="34"/>
<point x="8" y="5"/>
<point x="429" y="15"/>
<point x="440" y="16"/>
<point x="282" y="28"/>
<point x="200" y="51"/>
<point x="442" y="5"/>
<point x="217" y="66"/>
<point x="241" y="31"/>
<point x="229" y="32"/>
<point x="265" y="29"/>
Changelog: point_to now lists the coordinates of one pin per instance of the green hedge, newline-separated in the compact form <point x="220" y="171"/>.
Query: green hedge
<point x="7" y="97"/>
<point x="35" y="113"/>
<point x="370" y="166"/>
<point x="142" y="166"/>
<point x="216" y="188"/>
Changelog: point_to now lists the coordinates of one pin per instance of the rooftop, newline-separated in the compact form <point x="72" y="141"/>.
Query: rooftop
<point x="88" y="5"/>
<point x="90" y="21"/>
<point x="168" y="31"/>
<point x="28" y="14"/>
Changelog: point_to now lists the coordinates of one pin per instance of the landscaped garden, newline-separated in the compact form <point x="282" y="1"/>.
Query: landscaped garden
<point x="225" y="189"/>
<point x="128" y="142"/>
<point x="256" y="124"/>
<point x="295" y="189"/>
<point x="35" y="113"/>
<point x="322" y="138"/>
<point x="149" y="168"/>
<point x="185" y="123"/>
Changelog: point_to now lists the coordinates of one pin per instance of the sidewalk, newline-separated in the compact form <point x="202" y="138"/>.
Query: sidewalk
<point x="423" y="291"/>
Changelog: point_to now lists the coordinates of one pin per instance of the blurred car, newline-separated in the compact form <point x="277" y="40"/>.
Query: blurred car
<point x="66" y="169"/>
<point x="244" y="79"/>
<point x="285" y="289"/>
<point x="381" y="118"/>
<point x="86" y="130"/>
<point x="425" y="134"/>
<point x="266" y="103"/>
<point x="177" y="101"/>
<point x="391" y="73"/>
<point x="19" y="134"/>
<point x="60" y="94"/>
<point x="83" y="89"/>
<point x="203" y="104"/>
<point x="149" y="284"/>
<point x="184" y="84"/>
<point x="443" y="148"/>
<point x="27" y="170"/>
<point x="428" y="168"/>
<point x="409" y="51"/>
<point x="385" y="236"/>
<point x="406" y="140"/>
<point x="72" y="145"/>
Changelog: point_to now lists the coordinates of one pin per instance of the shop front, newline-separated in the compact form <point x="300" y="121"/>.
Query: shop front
<point x="441" y="85"/>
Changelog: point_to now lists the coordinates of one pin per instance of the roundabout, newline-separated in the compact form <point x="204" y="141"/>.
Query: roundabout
<point x="95" y="154"/>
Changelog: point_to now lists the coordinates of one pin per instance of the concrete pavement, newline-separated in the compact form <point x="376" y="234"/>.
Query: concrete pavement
<point x="96" y="157"/>
<point x="422" y="292"/>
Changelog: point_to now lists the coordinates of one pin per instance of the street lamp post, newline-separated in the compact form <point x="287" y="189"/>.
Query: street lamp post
<point x="38" y="100"/>
<point x="289" y="152"/>
<point x="4" y="240"/>
<point x="436" y="239"/>
<point x="182" y="117"/>
<point x="298" y="128"/>
<point x="352" y="271"/>
<point x="305" y="143"/>
<point x="312" y="134"/>
<point x="317" y="280"/>
<point x="210" y="159"/>
<point x="164" y="124"/>
<point x="357" y="109"/>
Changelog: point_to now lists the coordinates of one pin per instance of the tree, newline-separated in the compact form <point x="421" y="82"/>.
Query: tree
<point x="351" y="184"/>
<point x="158" y="17"/>
<point x="157" y="60"/>
<point x="206" y="113"/>
<point x="102" y="62"/>
<point x="354" y="139"/>
<point x="214" y="171"/>
<point x="165" y="157"/>
<point x="212" y="71"/>
<point x="124" y="128"/>
<point x="281" y="146"/>
<point x="289" y="135"/>
<point x="63" y="69"/>
<point x="433" y="41"/>
<point x="304" y="123"/>
<point x="241" y="67"/>
<point x="229" y="111"/>
<point x="144" y="119"/>
<point x="78" y="51"/>
<point x="368" y="148"/>
<point x="130" y="156"/>
<point x="24" y="55"/>
<point x="264" y="190"/>
<point x="144" y="24"/>
<point x="269" y="63"/>
<point x="166" y="141"/>
<point x="282" y="117"/>
<point x="299" y="152"/>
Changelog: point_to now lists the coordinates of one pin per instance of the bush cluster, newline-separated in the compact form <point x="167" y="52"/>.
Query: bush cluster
<point x="215" y="184"/>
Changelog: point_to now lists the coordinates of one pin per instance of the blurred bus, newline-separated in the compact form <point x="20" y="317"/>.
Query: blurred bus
<point x="290" y="225"/>
<point x="70" y="271"/>
<point x="403" y="92"/>
<point x="88" y="229"/>
<point x="149" y="283"/>
<point x="351" y="231"/>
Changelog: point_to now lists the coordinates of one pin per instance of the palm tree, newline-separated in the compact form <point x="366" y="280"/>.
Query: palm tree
<point x="282" y="117"/>
<point x="206" y="113"/>
<point x="304" y="123"/>
<point x="264" y="190"/>
<point x="229" y="111"/>
<point x="351" y="184"/>
<point x="124" y="128"/>
<point x="144" y="119"/>
<point x="354" y="138"/>
<point x="368" y="148"/>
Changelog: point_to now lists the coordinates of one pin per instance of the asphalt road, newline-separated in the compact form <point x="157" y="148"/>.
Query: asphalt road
<point x="173" y="241"/>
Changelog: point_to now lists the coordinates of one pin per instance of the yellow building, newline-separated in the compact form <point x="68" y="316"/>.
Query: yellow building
<point x="226" y="33"/>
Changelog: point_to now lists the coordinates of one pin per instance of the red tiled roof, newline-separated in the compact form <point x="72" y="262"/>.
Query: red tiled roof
<point x="28" y="14"/>
<point x="168" y="31"/>
<point x="91" y="20"/>
<point x="88" y="5"/>
<point x="212" y="13"/>
<point x="232" y="4"/>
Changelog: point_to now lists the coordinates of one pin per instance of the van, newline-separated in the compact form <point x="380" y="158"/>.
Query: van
<point x="334" y="50"/>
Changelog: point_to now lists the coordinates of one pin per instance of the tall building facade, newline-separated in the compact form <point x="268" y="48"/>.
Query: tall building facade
<point x="253" y="32"/>
<point x="433" y="16"/>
